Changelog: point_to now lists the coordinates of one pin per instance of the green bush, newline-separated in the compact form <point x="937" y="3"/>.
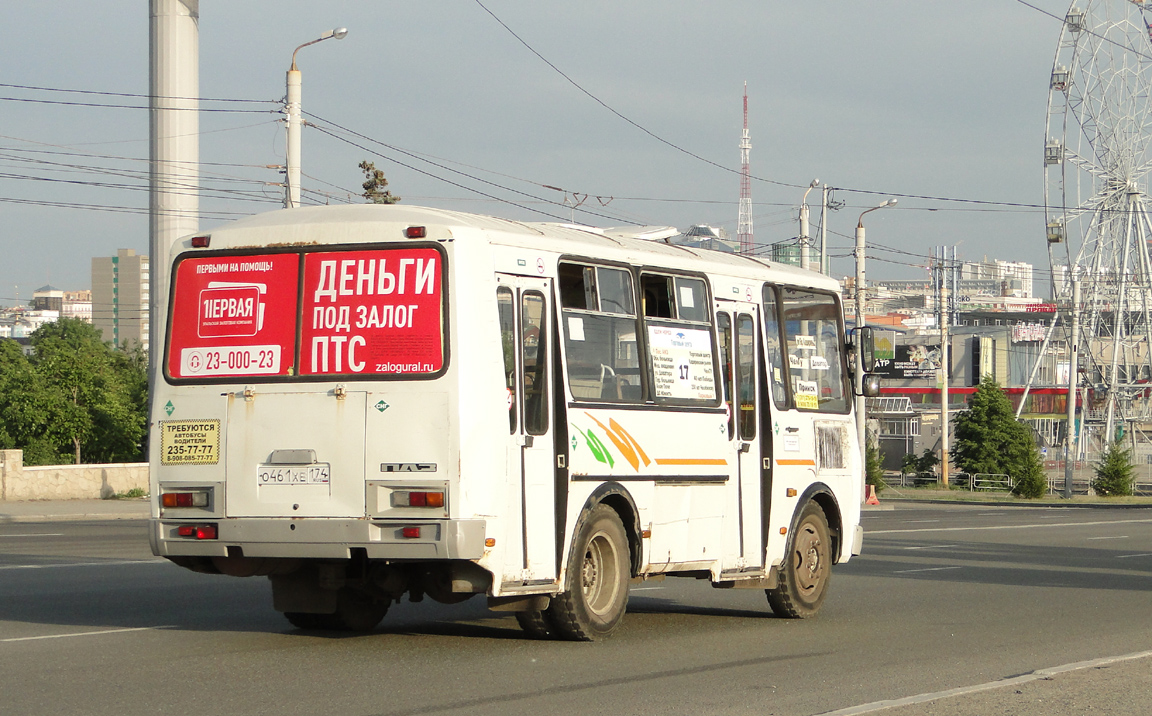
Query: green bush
<point x="1115" y="474"/>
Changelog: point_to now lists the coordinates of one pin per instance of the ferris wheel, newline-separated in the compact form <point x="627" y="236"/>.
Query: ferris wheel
<point x="1097" y="157"/>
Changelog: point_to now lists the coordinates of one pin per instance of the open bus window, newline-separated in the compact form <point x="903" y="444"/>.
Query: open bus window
<point x="815" y="359"/>
<point x="601" y="355"/>
<point x="682" y="357"/>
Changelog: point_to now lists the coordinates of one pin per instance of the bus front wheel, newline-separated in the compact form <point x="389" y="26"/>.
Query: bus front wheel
<point x="806" y="569"/>
<point x="595" y="592"/>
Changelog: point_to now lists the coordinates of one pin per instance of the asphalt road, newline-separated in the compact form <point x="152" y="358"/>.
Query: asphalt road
<point x="945" y="597"/>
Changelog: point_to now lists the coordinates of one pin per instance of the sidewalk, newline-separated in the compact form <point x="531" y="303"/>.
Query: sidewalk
<point x="73" y="510"/>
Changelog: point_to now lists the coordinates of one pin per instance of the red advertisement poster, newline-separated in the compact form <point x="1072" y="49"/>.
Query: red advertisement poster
<point x="376" y="312"/>
<point x="233" y="316"/>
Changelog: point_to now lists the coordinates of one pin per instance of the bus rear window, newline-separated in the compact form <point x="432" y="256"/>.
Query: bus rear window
<point x="373" y="312"/>
<point x="233" y="316"/>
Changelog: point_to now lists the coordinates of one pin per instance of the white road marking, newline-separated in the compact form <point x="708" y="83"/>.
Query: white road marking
<point x="1006" y="527"/>
<point x="976" y="688"/>
<point x="1118" y="537"/>
<point x="52" y="534"/>
<point x="915" y="521"/>
<point x="83" y="564"/>
<point x="644" y="589"/>
<point x="925" y="569"/>
<point x="1126" y="556"/>
<point x="932" y="546"/>
<point x="85" y="633"/>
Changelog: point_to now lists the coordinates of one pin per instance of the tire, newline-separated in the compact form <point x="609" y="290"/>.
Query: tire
<point x="807" y="567"/>
<point x="535" y="624"/>
<point x="355" y="611"/>
<point x="595" y="594"/>
<point x="358" y="611"/>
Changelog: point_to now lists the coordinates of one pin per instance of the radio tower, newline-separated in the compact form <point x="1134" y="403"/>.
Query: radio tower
<point x="744" y="227"/>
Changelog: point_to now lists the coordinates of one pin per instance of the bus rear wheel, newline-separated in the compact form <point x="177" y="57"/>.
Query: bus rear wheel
<point x="807" y="567"/>
<point x="355" y="611"/>
<point x="595" y="594"/>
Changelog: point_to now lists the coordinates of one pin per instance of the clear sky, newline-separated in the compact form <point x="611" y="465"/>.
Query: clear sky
<point x="881" y="97"/>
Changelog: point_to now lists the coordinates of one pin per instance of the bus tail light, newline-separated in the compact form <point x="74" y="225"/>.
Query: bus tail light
<point x="201" y="242"/>
<point x="184" y="499"/>
<point x="407" y="498"/>
<point x="197" y="531"/>
<point x="415" y="232"/>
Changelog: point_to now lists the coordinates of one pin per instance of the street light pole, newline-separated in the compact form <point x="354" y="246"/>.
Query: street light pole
<point x="805" y="261"/>
<point x="292" y="110"/>
<point x="861" y="421"/>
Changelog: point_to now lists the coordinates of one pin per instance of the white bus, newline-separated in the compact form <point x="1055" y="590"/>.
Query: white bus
<point x="364" y="402"/>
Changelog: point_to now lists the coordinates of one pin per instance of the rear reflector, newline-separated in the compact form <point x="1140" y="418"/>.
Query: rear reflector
<point x="410" y="532"/>
<point x="197" y="531"/>
<point x="201" y="242"/>
<point x="415" y="232"/>
<point x="184" y="499"/>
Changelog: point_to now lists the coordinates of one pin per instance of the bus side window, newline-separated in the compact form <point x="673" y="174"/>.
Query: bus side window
<point x="534" y="323"/>
<point x="777" y="371"/>
<point x="506" y="308"/>
<point x="746" y="374"/>
<point x="682" y="352"/>
<point x="599" y="329"/>
<point x="724" y="328"/>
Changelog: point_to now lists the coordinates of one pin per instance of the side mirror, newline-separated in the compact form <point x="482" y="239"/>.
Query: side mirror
<point x="864" y="337"/>
<point x="871" y="385"/>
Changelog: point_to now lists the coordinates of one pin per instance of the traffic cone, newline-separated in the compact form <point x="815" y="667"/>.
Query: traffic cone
<point x="870" y="495"/>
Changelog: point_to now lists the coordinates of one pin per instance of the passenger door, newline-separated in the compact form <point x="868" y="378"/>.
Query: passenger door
<point x="526" y="331"/>
<point x="740" y="353"/>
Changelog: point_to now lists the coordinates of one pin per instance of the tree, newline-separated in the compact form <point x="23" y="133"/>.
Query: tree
<point x="989" y="439"/>
<point x="873" y="470"/>
<point x="75" y="399"/>
<point x="1115" y="472"/>
<point x="374" y="183"/>
<point x="927" y="461"/>
<point x="909" y="464"/>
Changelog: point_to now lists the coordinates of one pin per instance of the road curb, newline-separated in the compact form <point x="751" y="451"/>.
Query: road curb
<point x="92" y="517"/>
<point x="994" y="503"/>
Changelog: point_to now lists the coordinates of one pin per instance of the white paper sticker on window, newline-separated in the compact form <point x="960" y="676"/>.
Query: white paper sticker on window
<point x="575" y="328"/>
<point x="682" y="363"/>
<point x="806" y="343"/>
<point x="818" y="363"/>
<point x="686" y="299"/>
<point x="795" y="362"/>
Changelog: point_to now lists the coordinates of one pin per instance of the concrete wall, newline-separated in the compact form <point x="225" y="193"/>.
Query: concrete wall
<point x="67" y="482"/>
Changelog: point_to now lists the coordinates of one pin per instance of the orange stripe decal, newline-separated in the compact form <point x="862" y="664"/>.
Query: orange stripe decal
<point x="691" y="461"/>
<point x="796" y="462"/>
<point x="631" y="440"/>
<point x="621" y="444"/>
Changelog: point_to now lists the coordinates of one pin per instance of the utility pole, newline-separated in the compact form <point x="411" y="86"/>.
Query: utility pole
<point x="805" y="254"/>
<point x="1073" y="349"/>
<point x="294" y="122"/>
<point x="824" y="228"/>
<point x="945" y="318"/>
<point x="861" y="411"/>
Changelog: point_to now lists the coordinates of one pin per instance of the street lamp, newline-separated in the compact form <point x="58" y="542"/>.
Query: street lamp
<point x="804" y="260"/>
<point x="861" y="427"/>
<point x="292" y="109"/>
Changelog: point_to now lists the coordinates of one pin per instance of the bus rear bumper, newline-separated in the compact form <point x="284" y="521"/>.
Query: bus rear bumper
<point x="321" y="538"/>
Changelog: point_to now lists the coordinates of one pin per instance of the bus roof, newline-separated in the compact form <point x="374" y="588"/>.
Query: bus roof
<point x="301" y="226"/>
